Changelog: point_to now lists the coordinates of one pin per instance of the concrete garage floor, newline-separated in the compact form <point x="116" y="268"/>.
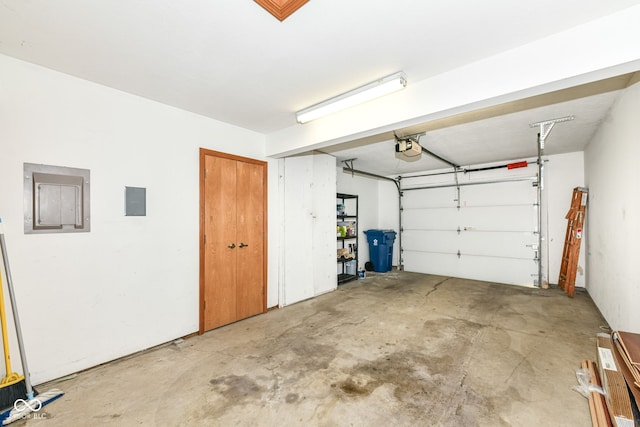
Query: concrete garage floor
<point x="395" y="349"/>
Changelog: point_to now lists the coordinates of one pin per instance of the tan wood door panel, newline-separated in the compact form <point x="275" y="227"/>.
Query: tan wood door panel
<point x="250" y="234"/>
<point x="219" y="258"/>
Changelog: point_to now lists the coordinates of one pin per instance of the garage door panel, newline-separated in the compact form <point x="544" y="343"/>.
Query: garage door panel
<point x="501" y="193"/>
<point x="431" y="219"/>
<point x="431" y="241"/>
<point x="431" y="263"/>
<point x="507" y="245"/>
<point x="498" y="218"/>
<point x="514" y="272"/>
<point x="434" y="198"/>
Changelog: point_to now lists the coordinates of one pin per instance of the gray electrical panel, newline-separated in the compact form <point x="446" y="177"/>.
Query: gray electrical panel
<point x="56" y="199"/>
<point x="135" y="201"/>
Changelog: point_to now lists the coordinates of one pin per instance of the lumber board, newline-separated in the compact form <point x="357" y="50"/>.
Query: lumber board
<point x="614" y="384"/>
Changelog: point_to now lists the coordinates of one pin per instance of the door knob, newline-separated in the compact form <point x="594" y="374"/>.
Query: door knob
<point x="242" y="245"/>
<point x="231" y="246"/>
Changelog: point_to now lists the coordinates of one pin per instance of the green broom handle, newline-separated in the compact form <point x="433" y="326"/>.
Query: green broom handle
<point x="16" y="318"/>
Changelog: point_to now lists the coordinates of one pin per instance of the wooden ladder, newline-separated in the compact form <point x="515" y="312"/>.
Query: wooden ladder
<point x="571" y="252"/>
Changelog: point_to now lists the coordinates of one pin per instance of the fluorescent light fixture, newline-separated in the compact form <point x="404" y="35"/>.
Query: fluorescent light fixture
<point x="362" y="94"/>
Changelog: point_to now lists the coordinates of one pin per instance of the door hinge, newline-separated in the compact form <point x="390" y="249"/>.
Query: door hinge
<point x="205" y="239"/>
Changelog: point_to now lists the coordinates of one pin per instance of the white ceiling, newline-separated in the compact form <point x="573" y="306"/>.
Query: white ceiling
<point x="492" y="136"/>
<point x="232" y="61"/>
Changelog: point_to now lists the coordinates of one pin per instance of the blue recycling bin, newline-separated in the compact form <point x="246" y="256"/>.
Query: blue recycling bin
<point x="381" y="249"/>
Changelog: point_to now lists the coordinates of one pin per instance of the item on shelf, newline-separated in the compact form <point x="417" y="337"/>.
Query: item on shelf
<point x="351" y="267"/>
<point x="344" y="253"/>
<point x="351" y="229"/>
<point x="340" y="209"/>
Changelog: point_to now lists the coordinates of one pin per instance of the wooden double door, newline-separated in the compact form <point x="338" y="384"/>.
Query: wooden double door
<point x="233" y="200"/>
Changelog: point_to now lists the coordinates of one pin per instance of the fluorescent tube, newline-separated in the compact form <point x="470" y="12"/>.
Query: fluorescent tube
<point x="362" y="94"/>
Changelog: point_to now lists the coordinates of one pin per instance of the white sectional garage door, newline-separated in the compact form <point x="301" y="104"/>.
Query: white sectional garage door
<point x="491" y="237"/>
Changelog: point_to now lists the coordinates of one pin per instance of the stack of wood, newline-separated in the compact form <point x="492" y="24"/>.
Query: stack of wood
<point x="597" y="404"/>
<point x="619" y="377"/>
<point x="628" y="346"/>
<point x="627" y="352"/>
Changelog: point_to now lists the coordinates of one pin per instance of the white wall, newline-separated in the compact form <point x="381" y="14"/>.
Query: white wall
<point x="308" y="257"/>
<point x="613" y="247"/>
<point x="389" y="214"/>
<point x="323" y="224"/>
<point x="132" y="282"/>
<point x="563" y="173"/>
<point x="368" y="203"/>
